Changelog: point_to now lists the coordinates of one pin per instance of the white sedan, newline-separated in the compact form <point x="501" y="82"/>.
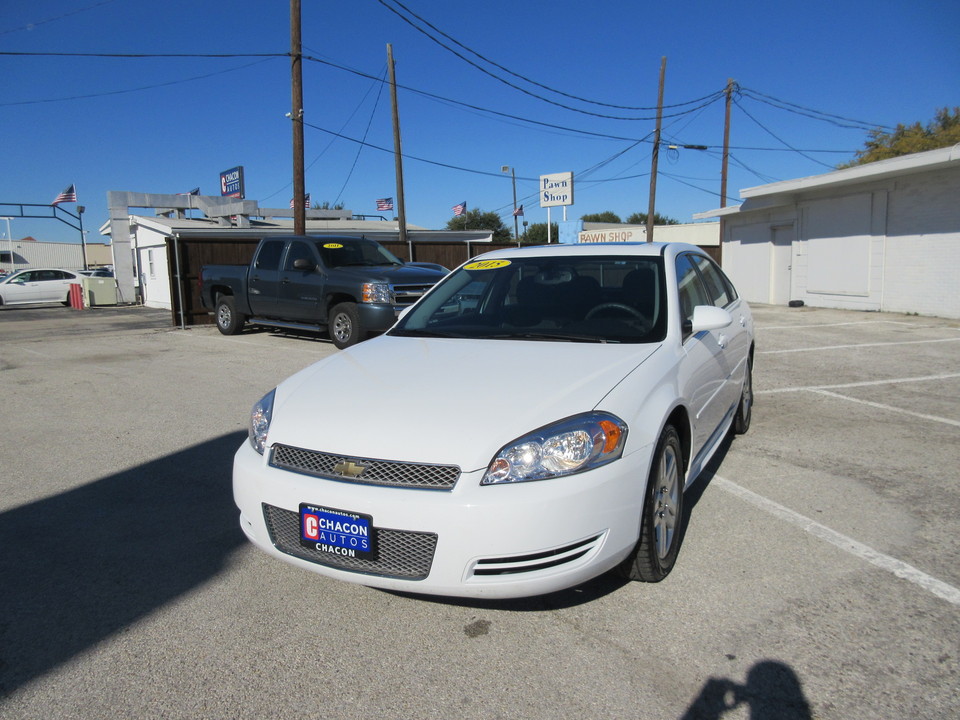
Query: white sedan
<point x="38" y="285"/>
<point x="530" y="424"/>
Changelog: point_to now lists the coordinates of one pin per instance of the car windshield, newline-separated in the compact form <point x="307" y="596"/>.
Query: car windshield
<point x="349" y="251"/>
<point x="617" y="299"/>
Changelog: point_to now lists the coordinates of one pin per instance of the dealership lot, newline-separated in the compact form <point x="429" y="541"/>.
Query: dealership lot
<point x="819" y="575"/>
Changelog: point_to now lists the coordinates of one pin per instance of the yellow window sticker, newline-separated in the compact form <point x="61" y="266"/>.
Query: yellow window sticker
<point x="486" y="265"/>
<point x="333" y="246"/>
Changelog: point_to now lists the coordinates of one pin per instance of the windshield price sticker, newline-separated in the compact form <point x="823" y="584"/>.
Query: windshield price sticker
<point x="486" y="265"/>
<point x="336" y="532"/>
<point x="333" y="246"/>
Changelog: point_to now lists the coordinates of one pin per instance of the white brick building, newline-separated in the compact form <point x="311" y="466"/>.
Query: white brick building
<point x="882" y="236"/>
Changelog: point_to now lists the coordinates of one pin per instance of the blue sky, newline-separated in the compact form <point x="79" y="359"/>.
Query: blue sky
<point x="163" y="125"/>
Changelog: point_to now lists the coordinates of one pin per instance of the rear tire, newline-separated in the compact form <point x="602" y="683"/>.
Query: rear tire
<point x="229" y="321"/>
<point x="662" y="523"/>
<point x="344" y="326"/>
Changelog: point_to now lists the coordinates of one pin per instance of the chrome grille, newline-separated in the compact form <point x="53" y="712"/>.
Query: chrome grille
<point x="400" y="554"/>
<point x="363" y="470"/>
<point x="409" y="294"/>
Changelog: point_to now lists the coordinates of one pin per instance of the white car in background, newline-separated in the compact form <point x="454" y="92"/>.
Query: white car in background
<point x="517" y="444"/>
<point x="38" y="285"/>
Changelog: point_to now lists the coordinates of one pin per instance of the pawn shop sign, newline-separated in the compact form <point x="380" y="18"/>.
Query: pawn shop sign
<point x="556" y="189"/>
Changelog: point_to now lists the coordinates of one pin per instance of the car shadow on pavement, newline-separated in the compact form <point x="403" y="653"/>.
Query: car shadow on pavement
<point x="78" y="567"/>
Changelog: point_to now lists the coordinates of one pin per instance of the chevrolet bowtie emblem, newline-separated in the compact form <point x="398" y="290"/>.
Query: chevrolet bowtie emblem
<point x="348" y="468"/>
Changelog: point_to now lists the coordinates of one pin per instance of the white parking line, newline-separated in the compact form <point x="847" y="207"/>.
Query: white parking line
<point x="890" y="564"/>
<point x="891" y="408"/>
<point x="862" y="383"/>
<point x="857" y="346"/>
<point x="842" y="324"/>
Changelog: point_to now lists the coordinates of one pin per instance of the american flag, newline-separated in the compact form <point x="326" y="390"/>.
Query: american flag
<point x="68" y="195"/>
<point x="306" y="201"/>
<point x="385" y="204"/>
<point x="195" y="191"/>
<point x="518" y="211"/>
<point x="459" y="209"/>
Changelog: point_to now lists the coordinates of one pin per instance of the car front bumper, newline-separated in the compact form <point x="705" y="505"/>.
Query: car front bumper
<point x="499" y="541"/>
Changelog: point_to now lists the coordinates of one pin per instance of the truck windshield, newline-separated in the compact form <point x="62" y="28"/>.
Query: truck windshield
<point x="612" y="299"/>
<point x="344" y="252"/>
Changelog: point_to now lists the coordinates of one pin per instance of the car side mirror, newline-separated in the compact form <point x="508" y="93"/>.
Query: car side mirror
<point x="708" y="317"/>
<point x="304" y="264"/>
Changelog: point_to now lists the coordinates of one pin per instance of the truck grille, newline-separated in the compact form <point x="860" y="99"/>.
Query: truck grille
<point x="365" y="471"/>
<point x="409" y="294"/>
<point x="400" y="554"/>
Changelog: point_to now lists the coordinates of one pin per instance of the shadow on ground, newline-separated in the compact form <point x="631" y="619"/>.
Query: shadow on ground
<point x="80" y="566"/>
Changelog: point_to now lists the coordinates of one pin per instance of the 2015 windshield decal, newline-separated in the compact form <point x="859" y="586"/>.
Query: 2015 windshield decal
<point x="486" y="265"/>
<point x="333" y="246"/>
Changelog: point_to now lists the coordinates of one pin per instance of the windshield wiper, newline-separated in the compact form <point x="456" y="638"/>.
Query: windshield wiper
<point x="562" y="337"/>
<point x="406" y="332"/>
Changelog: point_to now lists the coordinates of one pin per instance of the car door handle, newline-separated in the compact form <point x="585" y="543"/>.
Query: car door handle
<point x="722" y="340"/>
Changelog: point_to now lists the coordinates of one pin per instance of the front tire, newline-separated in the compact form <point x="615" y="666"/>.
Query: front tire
<point x="344" y="326"/>
<point x="662" y="523"/>
<point x="229" y="321"/>
<point x="741" y="421"/>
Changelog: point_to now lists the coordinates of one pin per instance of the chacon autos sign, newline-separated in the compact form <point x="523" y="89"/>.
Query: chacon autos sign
<point x="231" y="182"/>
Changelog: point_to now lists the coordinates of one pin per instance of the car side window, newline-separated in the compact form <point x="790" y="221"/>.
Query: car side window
<point x="719" y="289"/>
<point x="269" y="256"/>
<point x="298" y="251"/>
<point x="691" y="292"/>
<point x="47" y="275"/>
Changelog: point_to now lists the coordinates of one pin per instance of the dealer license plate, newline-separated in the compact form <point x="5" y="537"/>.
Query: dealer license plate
<point x="336" y="532"/>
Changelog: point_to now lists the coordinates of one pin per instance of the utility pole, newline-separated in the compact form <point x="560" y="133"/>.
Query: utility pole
<point x="296" y="115"/>
<point x="397" y="154"/>
<point x="726" y="145"/>
<point x="656" y="153"/>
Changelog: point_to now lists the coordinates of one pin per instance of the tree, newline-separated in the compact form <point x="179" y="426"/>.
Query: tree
<point x="942" y="131"/>
<point x="325" y="205"/>
<point x="479" y="220"/>
<point x="536" y="233"/>
<point x="607" y="216"/>
<point x="640" y="218"/>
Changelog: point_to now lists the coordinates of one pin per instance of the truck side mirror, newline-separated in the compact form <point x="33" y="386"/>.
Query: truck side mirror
<point x="304" y="264"/>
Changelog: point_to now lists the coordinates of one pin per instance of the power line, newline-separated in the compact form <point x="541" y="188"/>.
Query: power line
<point x="507" y="82"/>
<point x="810" y="112"/>
<point x="507" y="70"/>
<point x="31" y="26"/>
<point x="131" y="90"/>
<point x="775" y="136"/>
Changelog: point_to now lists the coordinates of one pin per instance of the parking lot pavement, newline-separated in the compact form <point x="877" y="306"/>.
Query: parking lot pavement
<point x="818" y="577"/>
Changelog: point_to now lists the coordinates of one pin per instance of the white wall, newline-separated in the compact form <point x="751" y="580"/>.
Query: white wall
<point x="155" y="283"/>
<point x="922" y="269"/>
<point x="891" y="245"/>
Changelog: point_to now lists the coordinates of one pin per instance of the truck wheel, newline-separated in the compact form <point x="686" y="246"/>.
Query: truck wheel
<point x="229" y="321"/>
<point x="344" y="325"/>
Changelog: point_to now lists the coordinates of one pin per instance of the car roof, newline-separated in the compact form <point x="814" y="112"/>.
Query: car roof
<point x="638" y="249"/>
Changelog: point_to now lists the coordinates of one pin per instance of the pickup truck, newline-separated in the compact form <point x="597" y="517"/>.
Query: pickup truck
<point x="349" y="286"/>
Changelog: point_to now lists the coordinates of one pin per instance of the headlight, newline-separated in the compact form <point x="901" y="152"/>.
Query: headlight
<point x="260" y="418"/>
<point x="376" y="293"/>
<point x="570" y="446"/>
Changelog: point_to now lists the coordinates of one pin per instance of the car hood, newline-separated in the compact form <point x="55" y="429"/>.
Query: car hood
<point x="443" y="401"/>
